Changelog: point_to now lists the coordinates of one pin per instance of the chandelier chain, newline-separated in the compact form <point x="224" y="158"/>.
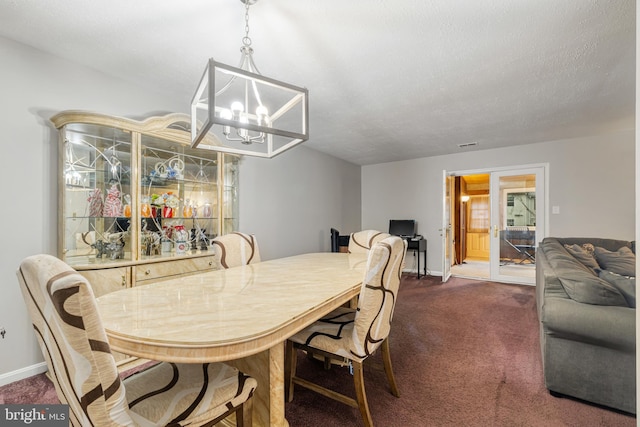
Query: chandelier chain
<point x="246" y="40"/>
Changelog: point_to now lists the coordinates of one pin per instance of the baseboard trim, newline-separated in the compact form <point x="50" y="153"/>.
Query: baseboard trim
<point x="23" y="373"/>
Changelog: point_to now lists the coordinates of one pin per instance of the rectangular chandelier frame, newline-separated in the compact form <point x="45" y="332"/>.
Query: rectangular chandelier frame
<point x="288" y="123"/>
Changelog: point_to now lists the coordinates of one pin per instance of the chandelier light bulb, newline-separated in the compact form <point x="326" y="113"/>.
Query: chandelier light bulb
<point x="237" y="107"/>
<point x="243" y="132"/>
<point x="226" y="114"/>
<point x="263" y="115"/>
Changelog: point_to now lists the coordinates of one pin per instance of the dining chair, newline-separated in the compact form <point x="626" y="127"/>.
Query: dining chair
<point x="354" y="334"/>
<point x="236" y="248"/>
<point x="363" y="241"/>
<point x="74" y="344"/>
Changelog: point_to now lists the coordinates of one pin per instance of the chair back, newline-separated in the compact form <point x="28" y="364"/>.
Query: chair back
<point x="363" y="241"/>
<point x="74" y="344"/>
<point x="236" y="249"/>
<point x="378" y="295"/>
<point x="335" y="235"/>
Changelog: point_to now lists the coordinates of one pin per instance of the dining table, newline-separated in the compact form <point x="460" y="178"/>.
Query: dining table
<point x="240" y="315"/>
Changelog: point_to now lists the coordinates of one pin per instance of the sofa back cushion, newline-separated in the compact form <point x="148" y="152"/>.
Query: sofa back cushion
<point x="625" y="284"/>
<point x="622" y="261"/>
<point x="578" y="281"/>
<point x="582" y="254"/>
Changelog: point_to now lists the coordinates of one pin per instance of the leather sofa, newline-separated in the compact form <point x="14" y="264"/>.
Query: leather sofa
<point x="587" y="327"/>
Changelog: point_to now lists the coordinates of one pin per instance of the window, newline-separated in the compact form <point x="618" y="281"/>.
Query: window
<point x="478" y="214"/>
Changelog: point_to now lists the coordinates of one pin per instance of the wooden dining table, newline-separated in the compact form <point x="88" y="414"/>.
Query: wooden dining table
<point x="241" y="315"/>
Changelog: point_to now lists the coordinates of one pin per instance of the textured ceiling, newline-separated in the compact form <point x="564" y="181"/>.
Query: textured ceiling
<point x="388" y="79"/>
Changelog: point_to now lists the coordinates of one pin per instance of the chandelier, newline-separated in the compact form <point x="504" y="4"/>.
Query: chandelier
<point x="238" y="110"/>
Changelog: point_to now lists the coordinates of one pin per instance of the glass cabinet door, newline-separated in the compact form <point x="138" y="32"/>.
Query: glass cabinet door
<point x="96" y="201"/>
<point x="135" y="190"/>
<point x="178" y="208"/>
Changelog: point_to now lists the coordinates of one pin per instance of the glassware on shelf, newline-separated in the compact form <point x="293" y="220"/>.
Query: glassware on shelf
<point x="187" y="209"/>
<point x="95" y="203"/>
<point x="207" y="211"/>
<point x="145" y="207"/>
<point x="112" y="203"/>
<point x="165" y="241"/>
<point x="181" y="237"/>
<point x="167" y="212"/>
<point x="126" y="209"/>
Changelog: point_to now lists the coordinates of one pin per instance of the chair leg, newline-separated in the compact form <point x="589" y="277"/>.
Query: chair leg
<point x="361" y="395"/>
<point x="289" y="370"/>
<point x="244" y="414"/>
<point x="386" y="358"/>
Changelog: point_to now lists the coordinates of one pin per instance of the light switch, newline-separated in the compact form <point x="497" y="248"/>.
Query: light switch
<point x="555" y="210"/>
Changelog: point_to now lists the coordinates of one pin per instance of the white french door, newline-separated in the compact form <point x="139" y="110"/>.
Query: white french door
<point x="517" y="223"/>
<point x="445" y="231"/>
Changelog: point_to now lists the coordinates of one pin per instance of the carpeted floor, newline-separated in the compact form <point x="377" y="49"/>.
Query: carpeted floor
<point x="465" y="353"/>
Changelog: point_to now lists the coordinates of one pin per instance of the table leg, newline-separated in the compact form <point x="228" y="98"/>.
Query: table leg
<point x="267" y="367"/>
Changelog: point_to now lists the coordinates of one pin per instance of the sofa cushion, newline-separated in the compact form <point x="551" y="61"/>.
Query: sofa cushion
<point x="622" y="261"/>
<point x="578" y="281"/>
<point x="584" y="254"/>
<point x="625" y="284"/>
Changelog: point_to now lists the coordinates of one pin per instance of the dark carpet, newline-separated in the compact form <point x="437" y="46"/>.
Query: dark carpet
<point x="465" y="353"/>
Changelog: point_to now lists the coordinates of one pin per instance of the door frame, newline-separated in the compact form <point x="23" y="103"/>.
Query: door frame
<point x="541" y="229"/>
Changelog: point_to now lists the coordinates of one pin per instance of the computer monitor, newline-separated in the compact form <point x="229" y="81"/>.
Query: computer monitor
<point x="402" y="227"/>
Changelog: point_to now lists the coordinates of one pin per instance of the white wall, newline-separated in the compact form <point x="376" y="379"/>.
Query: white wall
<point x="591" y="179"/>
<point x="298" y="195"/>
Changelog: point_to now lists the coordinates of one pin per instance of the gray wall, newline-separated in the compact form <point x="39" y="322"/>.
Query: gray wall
<point x="290" y="202"/>
<point x="591" y="179"/>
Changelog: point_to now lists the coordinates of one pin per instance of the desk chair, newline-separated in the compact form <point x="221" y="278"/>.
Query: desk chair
<point x="352" y="334"/>
<point x="236" y="249"/>
<point x="363" y="241"/>
<point x="74" y="344"/>
<point x="339" y="243"/>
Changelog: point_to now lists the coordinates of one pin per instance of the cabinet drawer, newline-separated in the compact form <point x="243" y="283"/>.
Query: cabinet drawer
<point x="175" y="268"/>
<point x="108" y="279"/>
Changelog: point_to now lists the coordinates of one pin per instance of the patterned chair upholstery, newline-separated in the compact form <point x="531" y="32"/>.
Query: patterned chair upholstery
<point x="74" y="344"/>
<point x="236" y="249"/>
<point x="363" y="241"/>
<point x="352" y="334"/>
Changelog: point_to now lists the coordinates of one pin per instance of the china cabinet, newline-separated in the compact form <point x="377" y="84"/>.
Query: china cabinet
<point x="136" y="203"/>
<point x="133" y="196"/>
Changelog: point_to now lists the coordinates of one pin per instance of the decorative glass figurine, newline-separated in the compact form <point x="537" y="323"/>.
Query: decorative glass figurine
<point x="187" y="209"/>
<point x="145" y="207"/>
<point x="95" y="203"/>
<point x="126" y="209"/>
<point x="112" y="203"/>
<point x="207" y="212"/>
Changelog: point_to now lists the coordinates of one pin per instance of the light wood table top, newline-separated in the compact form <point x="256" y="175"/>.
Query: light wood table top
<point x="232" y="314"/>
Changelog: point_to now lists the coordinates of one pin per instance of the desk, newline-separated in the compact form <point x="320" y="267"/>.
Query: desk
<point x="242" y="315"/>
<point x="419" y="246"/>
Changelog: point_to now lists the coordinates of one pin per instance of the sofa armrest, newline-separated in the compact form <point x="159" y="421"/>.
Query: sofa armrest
<point x="609" y="326"/>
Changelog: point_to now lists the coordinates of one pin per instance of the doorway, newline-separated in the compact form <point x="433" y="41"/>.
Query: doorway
<point x="497" y="220"/>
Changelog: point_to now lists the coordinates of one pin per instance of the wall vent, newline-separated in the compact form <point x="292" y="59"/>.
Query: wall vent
<point x="468" y="144"/>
